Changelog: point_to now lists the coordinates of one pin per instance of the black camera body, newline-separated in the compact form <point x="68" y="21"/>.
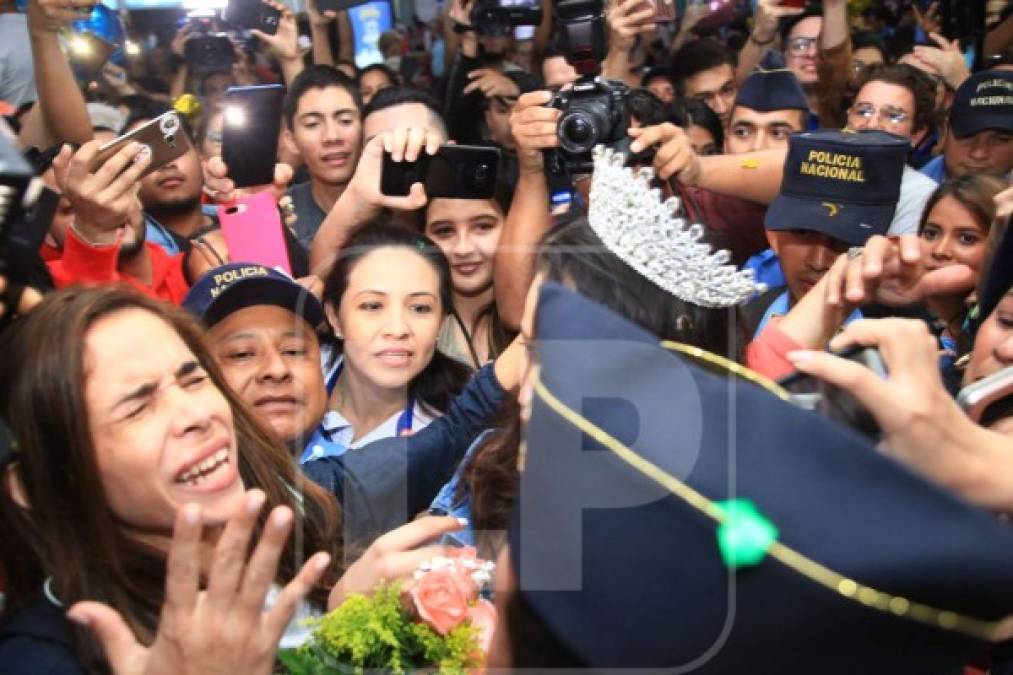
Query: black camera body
<point x="209" y="53"/>
<point x="595" y="112"/>
<point x="495" y="18"/>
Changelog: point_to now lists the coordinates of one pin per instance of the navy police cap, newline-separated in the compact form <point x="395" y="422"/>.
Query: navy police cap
<point x="768" y="90"/>
<point x="984" y="101"/>
<point x="844" y="184"/>
<point x="235" y="286"/>
<point x="667" y="516"/>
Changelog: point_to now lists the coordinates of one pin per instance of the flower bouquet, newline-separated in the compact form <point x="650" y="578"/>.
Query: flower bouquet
<point x="435" y="621"/>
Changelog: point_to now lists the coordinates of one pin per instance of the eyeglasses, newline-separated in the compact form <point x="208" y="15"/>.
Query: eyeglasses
<point x="895" y="116"/>
<point x="801" y="45"/>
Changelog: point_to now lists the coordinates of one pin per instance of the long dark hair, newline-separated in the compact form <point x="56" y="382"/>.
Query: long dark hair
<point x="499" y="336"/>
<point x="443" y="378"/>
<point x="573" y="255"/>
<point x="69" y="531"/>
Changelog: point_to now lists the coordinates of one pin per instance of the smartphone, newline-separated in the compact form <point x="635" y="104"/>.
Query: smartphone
<point x="164" y="135"/>
<point x="664" y="11"/>
<point x="454" y="172"/>
<point x="252" y="122"/>
<point x="338" y="5"/>
<point x="209" y="54"/>
<point x="252" y="230"/>
<point x="982" y="400"/>
<point x="813" y="393"/>
<point x="87" y="53"/>
<point x="251" y="14"/>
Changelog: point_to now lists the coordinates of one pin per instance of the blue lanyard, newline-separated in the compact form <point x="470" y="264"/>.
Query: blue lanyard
<point x="404" y="421"/>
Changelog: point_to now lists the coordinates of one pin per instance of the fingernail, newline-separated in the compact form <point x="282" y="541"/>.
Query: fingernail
<point x="635" y="147"/>
<point x="463" y="522"/>
<point x="323" y="563"/>
<point x="143" y="153"/>
<point x="79" y="619"/>
<point x="254" y="501"/>
<point x="800" y="356"/>
<point x="281" y="518"/>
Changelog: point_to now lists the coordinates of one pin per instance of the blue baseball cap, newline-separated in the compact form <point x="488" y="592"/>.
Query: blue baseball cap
<point x="768" y="90"/>
<point x="844" y="184"/>
<point x="236" y="286"/>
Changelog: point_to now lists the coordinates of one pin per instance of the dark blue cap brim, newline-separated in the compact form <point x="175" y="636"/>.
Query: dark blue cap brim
<point x="852" y="223"/>
<point x="265" y="291"/>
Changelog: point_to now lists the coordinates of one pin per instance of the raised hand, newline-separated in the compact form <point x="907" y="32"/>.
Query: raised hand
<point x="627" y="19"/>
<point x="674" y="157"/>
<point x="223" y="629"/>
<point x="491" y="83"/>
<point x="533" y="126"/>
<point x="104" y="197"/>
<point x="404" y="144"/>
<point x="393" y="556"/>
<point x="220" y="187"/>
<point x="53" y="15"/>
<point x="889" y="271"/>
<point x="768" y="17"/>
<point x="284" y="44"/>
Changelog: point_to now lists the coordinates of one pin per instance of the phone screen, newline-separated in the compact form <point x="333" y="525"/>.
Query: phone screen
<point x="251" y="125"/>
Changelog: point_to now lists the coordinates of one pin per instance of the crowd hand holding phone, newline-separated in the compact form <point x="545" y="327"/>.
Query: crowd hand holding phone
<point x="395" y="555"/>
<point x="404" y="144"/>
<point x="921" y="423"/>
<point x="767" y="19"/>
<point x="945" y="59"/>
<point x="52" y="16"/>
<point x="223" y="629"/>
<point x="284" y="44"/>
<point x="626" y="20"/>
<point x="104" y="197"/>
<point x="888" y="270"/>
<point x="222" y="190"/>
<point x="533" y="126"/>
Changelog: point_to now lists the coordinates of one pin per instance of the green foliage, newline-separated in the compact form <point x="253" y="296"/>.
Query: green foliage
<point x="375" y="632"/>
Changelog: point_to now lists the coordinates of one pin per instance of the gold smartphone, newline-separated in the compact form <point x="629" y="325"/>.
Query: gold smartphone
<point x="164" y="135"/>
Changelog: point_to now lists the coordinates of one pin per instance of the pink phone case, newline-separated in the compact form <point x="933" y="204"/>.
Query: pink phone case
<point x="252" y="230"/>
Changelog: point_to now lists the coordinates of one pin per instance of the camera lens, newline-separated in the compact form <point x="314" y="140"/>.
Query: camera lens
<point x="577" y="133"/>
<point x="481" y="173"/>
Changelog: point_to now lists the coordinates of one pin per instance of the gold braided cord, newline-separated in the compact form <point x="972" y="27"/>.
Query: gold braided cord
<point x="991" y="631"/>
<point x="728" y="365"/>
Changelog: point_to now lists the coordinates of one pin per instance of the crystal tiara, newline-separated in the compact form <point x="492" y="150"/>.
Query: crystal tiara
<point x="629" y="217"/>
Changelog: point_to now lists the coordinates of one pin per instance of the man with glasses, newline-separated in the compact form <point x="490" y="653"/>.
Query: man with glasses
<point x="899" y="99"/>
<point x="979" y="136"/>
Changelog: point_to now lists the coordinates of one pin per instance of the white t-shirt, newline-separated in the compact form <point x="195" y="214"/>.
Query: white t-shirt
<point x="915" y="190"/>
<point x="17" y="73"/>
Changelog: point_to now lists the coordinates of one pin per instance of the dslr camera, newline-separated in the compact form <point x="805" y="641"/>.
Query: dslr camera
<point x="595" y="110"/>
<point x="495" y="18"/>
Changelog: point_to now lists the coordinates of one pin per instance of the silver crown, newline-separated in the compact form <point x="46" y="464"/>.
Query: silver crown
<point x="628" y="215"/>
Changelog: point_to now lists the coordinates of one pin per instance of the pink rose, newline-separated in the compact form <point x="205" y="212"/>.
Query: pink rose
<point x="483" y="617"/>
<point x="441" y="598"/>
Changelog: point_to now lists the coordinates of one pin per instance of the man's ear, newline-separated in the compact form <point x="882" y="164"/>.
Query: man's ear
<point x="773" y="240"/>
<point x="13" y="485"/>
<point x="919" y="136"/>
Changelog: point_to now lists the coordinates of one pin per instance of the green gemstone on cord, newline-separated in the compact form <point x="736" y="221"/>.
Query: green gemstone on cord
<point x="744" y="535"/>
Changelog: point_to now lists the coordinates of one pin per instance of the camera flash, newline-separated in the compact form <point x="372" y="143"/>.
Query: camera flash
<point x="235" y="116"/>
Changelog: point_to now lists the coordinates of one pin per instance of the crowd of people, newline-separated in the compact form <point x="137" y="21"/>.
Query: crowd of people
<point x="732" y="392"/>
